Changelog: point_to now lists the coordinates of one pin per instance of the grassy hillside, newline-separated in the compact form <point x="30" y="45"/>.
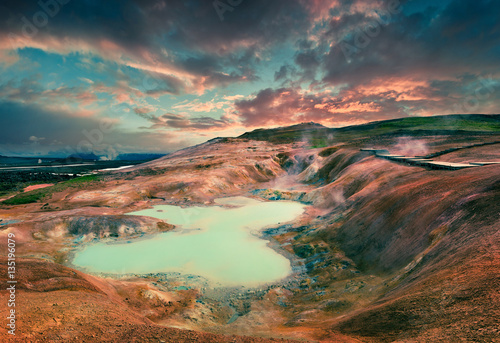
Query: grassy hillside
<point x="40" y="194"/>
<point x="320" y="136"/>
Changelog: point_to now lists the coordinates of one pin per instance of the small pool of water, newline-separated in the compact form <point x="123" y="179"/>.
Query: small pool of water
<point x="216" y="242"/>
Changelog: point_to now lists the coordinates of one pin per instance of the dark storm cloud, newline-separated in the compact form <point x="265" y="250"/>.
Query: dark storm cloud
<point x="177" y="121"/>
<point x="64" y="134"/>
<point x="409" y="58"/>
<point x="308" y="61"/>
<point x="196" y="25"/>
<point x="403" y="58"/>
<point x="283" y="73"/>
<point x="462" y="37"/>
<point x="185" y="41"/>
<point x="189" y="37"/>
<point x="20" y="121"/>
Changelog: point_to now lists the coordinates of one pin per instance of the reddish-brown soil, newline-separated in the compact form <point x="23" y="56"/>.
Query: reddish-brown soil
<point x="39" y="186"/>
<point x="390" y="252"/>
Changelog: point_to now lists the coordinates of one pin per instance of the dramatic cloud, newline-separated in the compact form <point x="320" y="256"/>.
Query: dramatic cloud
<point x="43" y="132"/>
<point x="176" y="121"/>
<point x="182" y="43"/>
<point x="162" y="67"/>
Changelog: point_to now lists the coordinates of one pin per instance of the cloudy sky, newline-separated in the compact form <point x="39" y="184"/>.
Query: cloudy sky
<point x="158" y="75"/>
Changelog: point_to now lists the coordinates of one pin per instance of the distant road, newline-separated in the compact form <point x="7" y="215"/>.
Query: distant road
<point x="447" y="151"/>
<point x="118" y="168"/>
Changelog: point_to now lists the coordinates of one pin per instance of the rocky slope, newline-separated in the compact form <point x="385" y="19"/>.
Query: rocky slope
<point x="385" y="252"/>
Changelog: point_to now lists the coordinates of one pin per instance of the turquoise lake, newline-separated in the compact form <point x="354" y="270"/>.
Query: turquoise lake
<point x="215" y="242"/>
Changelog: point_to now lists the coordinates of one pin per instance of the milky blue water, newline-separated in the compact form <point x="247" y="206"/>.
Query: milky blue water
<point x="215" y="242"/>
